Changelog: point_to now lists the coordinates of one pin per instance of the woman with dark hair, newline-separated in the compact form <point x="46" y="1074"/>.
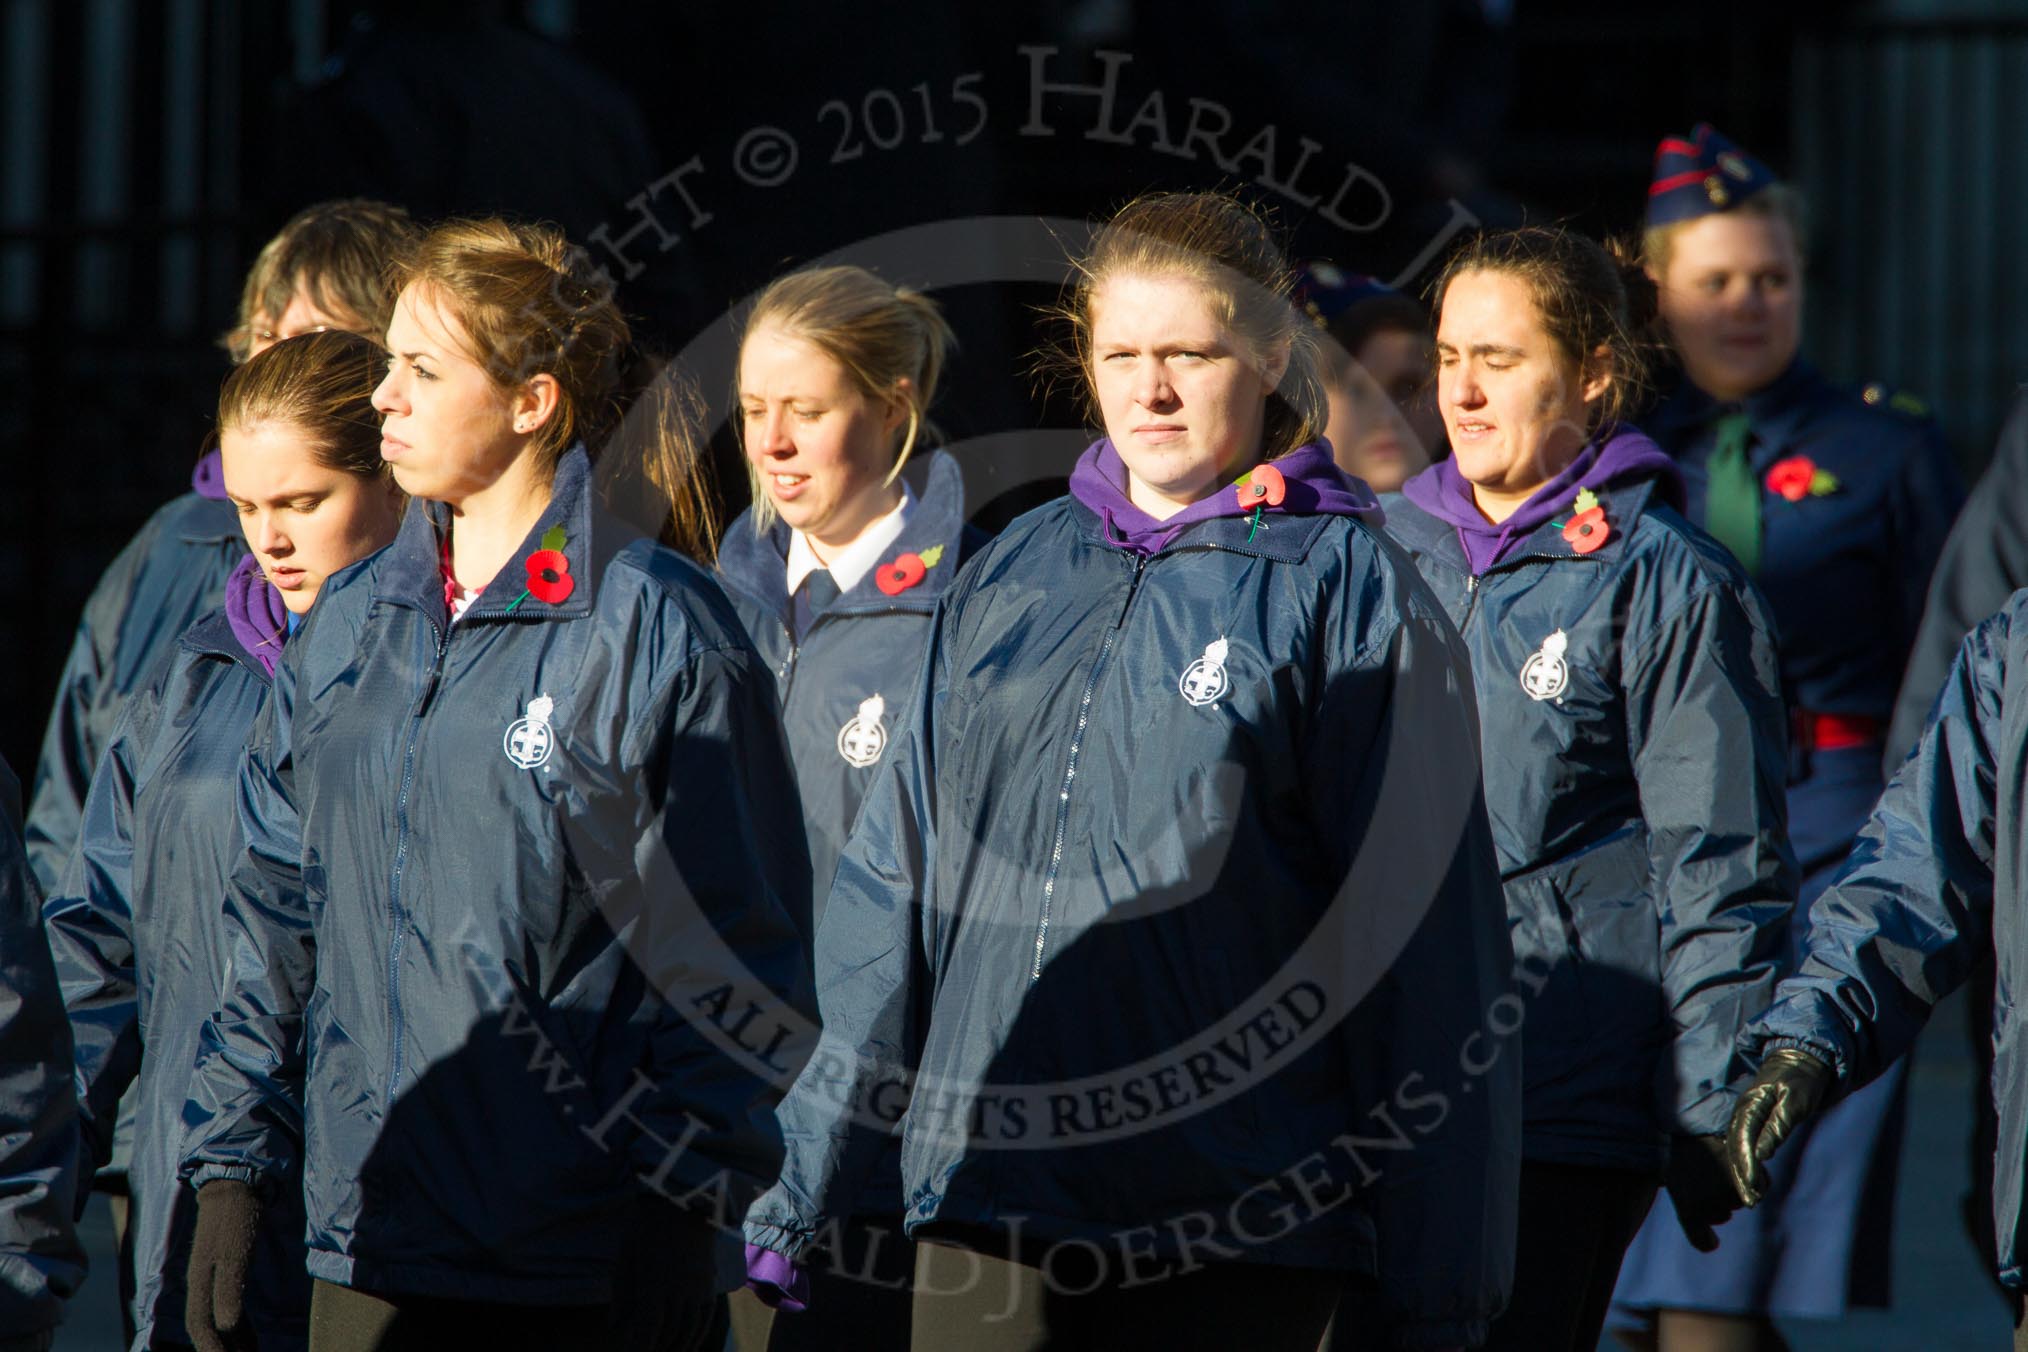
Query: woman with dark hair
<point x="1625" y="675"/>
<point x="1187" y="766"/>
<point x="139" y="940"/>
<point x="516" y="952"/>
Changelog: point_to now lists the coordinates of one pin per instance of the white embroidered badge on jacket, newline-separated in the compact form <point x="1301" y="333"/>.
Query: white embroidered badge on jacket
<point x="529" y="739"/>
<point x="863" y="738"/>
<point x="1204" y="680"/>
<point x="1546" y="674"/>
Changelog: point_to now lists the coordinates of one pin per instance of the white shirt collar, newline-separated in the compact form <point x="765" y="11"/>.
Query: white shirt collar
<point x="856" y="560"/>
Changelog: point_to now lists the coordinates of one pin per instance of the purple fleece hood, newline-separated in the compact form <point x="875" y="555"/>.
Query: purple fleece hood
<point x="1316" y="487"/>
<point x="254" y="609"/>
<point x="1617" y="455"/>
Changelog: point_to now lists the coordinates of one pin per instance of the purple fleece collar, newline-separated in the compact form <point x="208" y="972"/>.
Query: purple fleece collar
<point x="1617" y="455"/>
<point x="208" y="479"/>
<point x="254" y="609"/>
<point x="1316" y="487"/>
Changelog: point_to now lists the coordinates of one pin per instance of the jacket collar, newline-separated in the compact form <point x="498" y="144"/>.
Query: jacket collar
<point x="212" y="636"/>
<point x="209" y="521"/>
<point x="1624" y="506"/>
<point x="758" y="564"/>
<point x="1776" y="412"/>
<point x="411" y="570"/>
<point x="1284" y="539"/>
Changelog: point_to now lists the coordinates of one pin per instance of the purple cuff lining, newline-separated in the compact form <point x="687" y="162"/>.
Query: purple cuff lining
<point x="780" y="1284"/>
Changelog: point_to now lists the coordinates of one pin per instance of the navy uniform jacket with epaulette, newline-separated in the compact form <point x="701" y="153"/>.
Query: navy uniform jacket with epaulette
<point x="169" y="574"/>
<point x="865" y="643"/>
<point x="141" y="947"/>
<point x="1638" y="811"/>
<point x="479" y="857"/>
<point x="1175" y="882"/>
<point x="41" y="1260"/>
<point x="1845" y="573"/>
<point x="1984" y="561"/>
<point x="1937" y="881"/>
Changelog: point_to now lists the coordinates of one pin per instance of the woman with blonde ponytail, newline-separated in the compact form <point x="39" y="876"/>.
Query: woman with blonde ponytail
<point x="854" y="532"/>
<point x="520" y="821"/>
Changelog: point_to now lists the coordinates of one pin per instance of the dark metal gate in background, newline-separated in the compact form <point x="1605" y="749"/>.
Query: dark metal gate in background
<point x="137" y="138"/>
<point x="1909" y="123"/>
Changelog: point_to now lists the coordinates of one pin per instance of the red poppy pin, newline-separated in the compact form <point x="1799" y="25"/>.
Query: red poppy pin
<point x="549" y="579"/>
<point x="906" y="570"/>
<point x="1587" y="529"/>
<point x="1261" y="486"/>
<point x="1798" y="477"/>
<point x="1258" y="489"/>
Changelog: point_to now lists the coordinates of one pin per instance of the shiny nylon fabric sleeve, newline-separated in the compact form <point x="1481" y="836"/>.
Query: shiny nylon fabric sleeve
<point x="244" y="1117"/>
<point x="1983" y="562"/>
<point x="1925" y="504"/>
<point x="1707" y="737"/>
<point x="41" y="1260"/>
<point x="724" y="830"/>
<point x="90" y="920"/>
<point x="82" y="717"/>
<point x="1911" y="913"/>
<point x="872" y="979"/>
<point x="1397" y="733"/>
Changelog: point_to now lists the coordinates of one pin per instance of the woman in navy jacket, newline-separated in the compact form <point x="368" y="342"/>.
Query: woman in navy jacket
<point x="1170" y="919"/>
<point x="1930" y="899"/>
<point x="1634" y="759"/>
<point x="835" y="569"/>
<point x="140" y="942"/>
<point x="41" y="1260"/>
<point x="517" y="961"/>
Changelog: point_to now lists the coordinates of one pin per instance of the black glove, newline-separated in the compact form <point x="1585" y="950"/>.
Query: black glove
<point x="1791" y="1086"/>
<point x="665" y="1295"/>
<point x="1701" y="1187"/>
<point x="221" y="1250"/>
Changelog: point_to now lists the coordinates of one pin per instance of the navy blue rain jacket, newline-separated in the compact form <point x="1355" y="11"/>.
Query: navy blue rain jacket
<point x="864" y="644"/>
<point x="141" y="947"/>
<point x="41" y="1260"/>
<point x="1172" y="922"/>
<point x="1635" y="754"/>
<point x="168" y="576"/>
<point x="1936" y="882"/>
<point x="520" y="919"/>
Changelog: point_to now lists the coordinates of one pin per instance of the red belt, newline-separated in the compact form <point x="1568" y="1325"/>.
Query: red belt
<point x="1835" y="732"/>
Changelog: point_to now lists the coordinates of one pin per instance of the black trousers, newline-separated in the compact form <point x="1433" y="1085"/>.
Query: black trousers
<point x="1576" y="1224"/>
<point x="967" y="1301"/>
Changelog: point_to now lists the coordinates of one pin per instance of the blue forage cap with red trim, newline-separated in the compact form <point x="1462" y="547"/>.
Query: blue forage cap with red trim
<point x="1324" y="290"/>
<point x="1705" y="173"/>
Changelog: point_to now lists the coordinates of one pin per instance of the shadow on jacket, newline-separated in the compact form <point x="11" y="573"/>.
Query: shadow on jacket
<point x="41" y="1260"/>
<point x="1174" y="908"/>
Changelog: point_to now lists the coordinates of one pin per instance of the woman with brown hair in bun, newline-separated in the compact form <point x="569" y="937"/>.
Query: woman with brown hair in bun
<point x="520" y="826"/>
<point x="135" y="926"/>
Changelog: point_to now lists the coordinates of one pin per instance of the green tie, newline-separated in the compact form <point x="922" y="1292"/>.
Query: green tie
<point x="1732" y="497"/>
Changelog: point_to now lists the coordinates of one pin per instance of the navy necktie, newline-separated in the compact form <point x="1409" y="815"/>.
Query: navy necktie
<point x="812" y="599"/>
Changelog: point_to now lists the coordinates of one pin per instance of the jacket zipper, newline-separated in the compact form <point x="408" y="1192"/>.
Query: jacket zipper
<point x="1070" y="767"/>
<point x="394" y="944"/>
